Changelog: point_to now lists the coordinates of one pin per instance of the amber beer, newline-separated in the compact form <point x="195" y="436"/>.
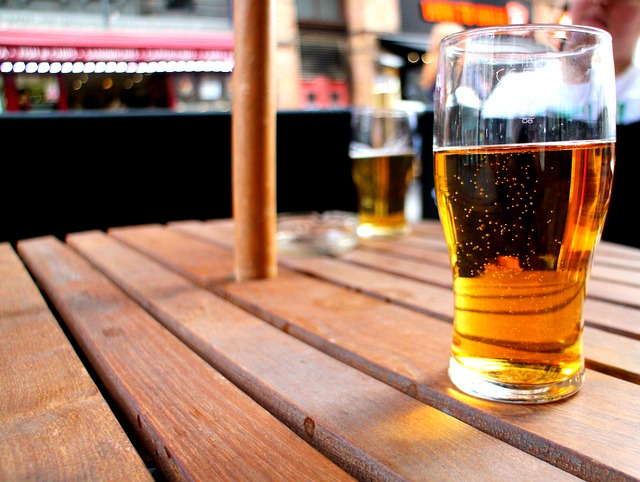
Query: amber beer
<point x="382" y="181"/>
<point x="521" y="223"/>
<point x="382" y="158"/>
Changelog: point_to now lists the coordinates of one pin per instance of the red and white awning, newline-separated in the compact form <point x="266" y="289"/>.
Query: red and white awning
<point x="33" y="51"/>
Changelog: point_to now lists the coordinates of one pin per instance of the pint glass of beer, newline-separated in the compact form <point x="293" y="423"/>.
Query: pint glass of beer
<point x="524" y="152"/>
<point x="382" y="161"/>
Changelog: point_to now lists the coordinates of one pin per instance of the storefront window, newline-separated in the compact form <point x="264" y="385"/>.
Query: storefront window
<point x="117" y="91"/>
<point x="187" y="5"/>
<point x="202" y="92"/>
<point x="320" y="11"/>
<point x="37" y="92"/>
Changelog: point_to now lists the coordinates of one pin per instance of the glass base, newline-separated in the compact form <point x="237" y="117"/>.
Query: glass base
<point x="368" y="230"/>
<point x="470" y="383"/>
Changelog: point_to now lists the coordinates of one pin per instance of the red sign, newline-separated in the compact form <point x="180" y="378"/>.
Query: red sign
<point x="470" y="13"/>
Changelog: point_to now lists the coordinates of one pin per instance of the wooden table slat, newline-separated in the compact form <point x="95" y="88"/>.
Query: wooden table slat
<point x="53" y="419"/>
<point x="438" y="302"/>
<point x="219" y="429"/>
<point x="335" y="369"/>
<point x="297" y="380"/>
<point x="410" y="350"/>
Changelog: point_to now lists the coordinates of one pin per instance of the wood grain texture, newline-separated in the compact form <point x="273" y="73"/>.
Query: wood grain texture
<point x="336" y="368"/>
<point x="54" y="422"/>
<point x="408" y="290"/>
<point x="195" y="423"/>
<point x="310" y="391"/>
<point x="410" y="351"/>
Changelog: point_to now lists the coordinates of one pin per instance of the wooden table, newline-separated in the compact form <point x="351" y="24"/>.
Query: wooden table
<point x="135" y="355"/>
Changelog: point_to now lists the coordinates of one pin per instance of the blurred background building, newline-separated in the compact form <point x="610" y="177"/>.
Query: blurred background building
<point x="60" y="55"/>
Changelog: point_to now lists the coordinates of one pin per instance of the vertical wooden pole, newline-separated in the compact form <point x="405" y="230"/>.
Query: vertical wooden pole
<point x="254" y="139"/>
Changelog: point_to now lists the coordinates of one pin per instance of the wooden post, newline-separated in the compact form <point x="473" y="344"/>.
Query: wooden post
<point x="254" y="139"/>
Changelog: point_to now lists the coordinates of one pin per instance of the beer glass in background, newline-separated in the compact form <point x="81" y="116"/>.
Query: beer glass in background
<point x="382" y="161"/>
<point x="523" y="159"/>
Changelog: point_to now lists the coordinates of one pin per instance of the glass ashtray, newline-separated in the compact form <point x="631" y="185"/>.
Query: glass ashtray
<point x="330" y="232"/>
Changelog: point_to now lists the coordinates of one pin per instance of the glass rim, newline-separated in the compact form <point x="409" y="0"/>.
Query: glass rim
<point x="526" y="27"/>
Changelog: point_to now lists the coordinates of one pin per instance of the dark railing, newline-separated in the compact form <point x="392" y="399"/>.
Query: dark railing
<point x="69" y="172"/>
<point x="76" y="171"/>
